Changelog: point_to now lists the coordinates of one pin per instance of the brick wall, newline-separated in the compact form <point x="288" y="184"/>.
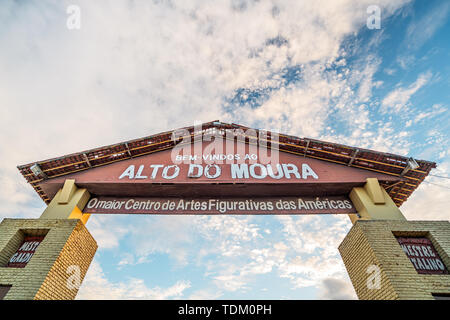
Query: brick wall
<point x="374" y="243"/>
<point x="67" y="242"/>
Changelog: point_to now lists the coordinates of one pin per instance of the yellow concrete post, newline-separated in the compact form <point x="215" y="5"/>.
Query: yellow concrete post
<point x="373" y="203"/>
<point x="68" y="203"/>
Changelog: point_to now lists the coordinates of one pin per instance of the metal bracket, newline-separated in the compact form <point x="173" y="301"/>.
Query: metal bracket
<point x="128" y="150"/>
<point x="353" y="157"/>
<point x="87" y="160"/>
<point x="307" y="146"/>
<point x="37" y="171"/>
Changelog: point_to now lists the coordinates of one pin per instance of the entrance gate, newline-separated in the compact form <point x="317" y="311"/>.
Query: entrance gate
<point x="219" y="168"/>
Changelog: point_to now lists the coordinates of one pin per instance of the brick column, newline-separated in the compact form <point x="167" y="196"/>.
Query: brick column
<point x="60" y="261"/>
<point x="377" y="265"/>
<point x="374" y="243"/>
<point x="65" y="252"/>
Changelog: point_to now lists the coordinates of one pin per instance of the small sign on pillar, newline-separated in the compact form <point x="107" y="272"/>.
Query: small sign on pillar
<point x="23" y="255"/>
<point x="423" y="255"/>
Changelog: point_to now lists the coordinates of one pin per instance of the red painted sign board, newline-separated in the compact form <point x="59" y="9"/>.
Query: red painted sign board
<point x="218" y="172"/>
<point x="23" y="255"/>
<point x="194" y="206"/>
<point x="422" y="255"/>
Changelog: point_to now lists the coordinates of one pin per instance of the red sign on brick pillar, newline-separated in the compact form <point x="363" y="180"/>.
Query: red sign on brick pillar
<point x="25" y="252"/>
<point x="423" y="255"/>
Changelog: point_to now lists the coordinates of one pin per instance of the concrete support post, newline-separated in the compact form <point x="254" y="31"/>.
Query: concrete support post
<point x="68" y="203"/>
<point x="373" y="203"/>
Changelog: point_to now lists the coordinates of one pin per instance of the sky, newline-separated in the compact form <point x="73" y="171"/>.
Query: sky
<point x="306" y="68"/>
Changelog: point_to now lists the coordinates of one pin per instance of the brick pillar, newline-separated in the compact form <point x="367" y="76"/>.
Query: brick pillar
<point x="379" y="266"/>
<point x="52" y="273"/>
<point x="374" y="243"/>
<point x="62" y="249"/>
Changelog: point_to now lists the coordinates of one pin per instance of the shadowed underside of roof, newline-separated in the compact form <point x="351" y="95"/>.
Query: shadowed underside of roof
<point x="345" y="155"/>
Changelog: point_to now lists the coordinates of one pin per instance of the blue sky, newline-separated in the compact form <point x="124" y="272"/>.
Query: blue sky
<point x="306" y="68"/>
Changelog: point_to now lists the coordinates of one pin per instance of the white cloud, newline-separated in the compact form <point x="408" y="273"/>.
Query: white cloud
<point x="365" y="78"/>
<point x="97" y="286"/>
<point x="305" y="255"/>
<point x="314" y="241"/>
<point x="397" y="100"/>
<point x="205" y="295"/>
<point x="383" y="137"/>
<point x="170" y="235"/>
<point x="431" y="199"/>
<point x="234" y="253"/>
<point x="436" y="109"/>
<point x="335" y="289"/>
<point x="230" y="282"/>
<point x="420" y="31"/>
<point x="107" y="231"/>
<point x="390" y="71"/>
<point x="405" y="60"/>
